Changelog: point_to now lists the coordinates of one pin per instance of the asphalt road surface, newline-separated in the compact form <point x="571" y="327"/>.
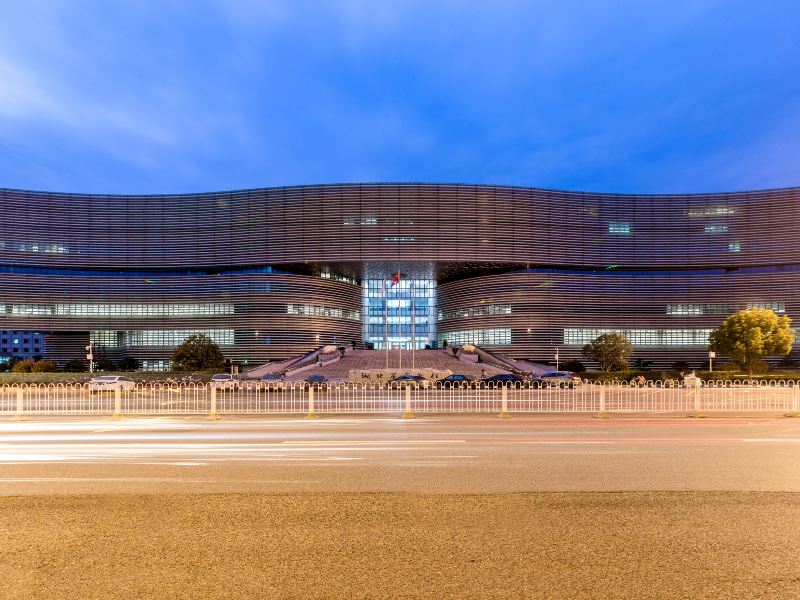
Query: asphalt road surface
<point x="473" y="455"/>
<point x="370" y="507"/>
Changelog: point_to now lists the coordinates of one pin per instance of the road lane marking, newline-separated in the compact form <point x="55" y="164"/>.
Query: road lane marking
<point x="790" y="440"/>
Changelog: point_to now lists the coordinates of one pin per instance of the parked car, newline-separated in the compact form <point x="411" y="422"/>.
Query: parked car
<point x="111" y="382"/>
<point x="316" y="381"/>
<point x="224" y="381"/>
<point x="272" y="381"/>
<point x="504" y="379"/>
<point x="409" y="379"/>
<point x="455" y="380"/>
<point x="557" y="379"/>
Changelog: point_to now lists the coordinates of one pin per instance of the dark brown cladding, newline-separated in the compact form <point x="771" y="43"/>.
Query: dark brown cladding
<point x="357" y="223"/>
<point x="702" y="253"/>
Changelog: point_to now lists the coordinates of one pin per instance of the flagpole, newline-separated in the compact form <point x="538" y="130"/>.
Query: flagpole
<point x="399" y="331"/>
<point x="413" y="325"/>
<point x="385" y="322"/>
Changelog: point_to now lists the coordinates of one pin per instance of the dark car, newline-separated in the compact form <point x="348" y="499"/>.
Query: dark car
<point x="409" y="379"/>
<point x="504" y="379"/>
<point x="273" y="381"/>
<point x="455" y="381"/>
<point x="317" y="381"/>
<point x="557" y="379"/>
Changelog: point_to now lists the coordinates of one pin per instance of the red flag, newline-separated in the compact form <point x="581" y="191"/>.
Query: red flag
<point x="395" y="279"/>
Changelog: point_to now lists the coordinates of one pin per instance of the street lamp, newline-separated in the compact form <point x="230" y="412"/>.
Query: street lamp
<point x="90" y="357"/>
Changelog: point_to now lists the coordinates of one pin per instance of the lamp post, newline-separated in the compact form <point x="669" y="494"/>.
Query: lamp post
<point x="711" y="356"/>
<point x="90" y="357"/>
<point x="556" y="358"/>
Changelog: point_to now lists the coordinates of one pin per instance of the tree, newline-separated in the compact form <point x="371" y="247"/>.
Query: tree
<point x="128" y="364"/>
<point x="23" y="366"/>
<point x="76" y="365"/>
<point x="575" y="366"/>
<point x="44" y="366"/>
<point x="750" y="335"/>
<point x="197" y="353"/>
<point x="610" y="350"/>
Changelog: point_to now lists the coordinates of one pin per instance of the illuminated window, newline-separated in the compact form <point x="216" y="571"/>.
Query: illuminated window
<point x="715" y="228"/>
<point x="168" y="338"/>
<point x="123" y="311"/>
<point x="642" y="337"/>
<point x="722" y="309"/>
<point x="477" y="337"/>
<point x="475" y="311"/>
<point x="322" y="311"/>
<point x="619" y="227"/>
<point x="711" y="211"/>
<point x="735" y="247"/>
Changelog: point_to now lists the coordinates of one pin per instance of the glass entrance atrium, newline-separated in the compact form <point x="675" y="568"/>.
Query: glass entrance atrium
<point x="389" y="309"/>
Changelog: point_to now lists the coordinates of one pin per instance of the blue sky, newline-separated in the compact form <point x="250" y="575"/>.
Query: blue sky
<point x="615" y="96"/>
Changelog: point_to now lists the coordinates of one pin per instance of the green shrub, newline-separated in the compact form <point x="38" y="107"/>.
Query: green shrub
<point x="23" y="366"/>
<point x="76" y="365"/>
<point x="44" y="366"/>
<point x="575" y="366"/>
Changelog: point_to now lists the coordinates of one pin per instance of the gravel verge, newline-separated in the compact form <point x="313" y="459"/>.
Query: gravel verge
<point x="539" y="545"/>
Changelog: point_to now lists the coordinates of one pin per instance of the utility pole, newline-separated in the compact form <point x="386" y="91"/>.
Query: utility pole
<point x="90" y="357"/>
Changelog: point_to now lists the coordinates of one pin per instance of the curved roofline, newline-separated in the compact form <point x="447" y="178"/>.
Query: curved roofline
<point x="408" y="184"/>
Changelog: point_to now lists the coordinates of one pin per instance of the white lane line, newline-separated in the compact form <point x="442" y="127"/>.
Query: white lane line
<point x="164" y="479"/>
<point x="562" y="442"/>
<point x="783" y="440"/>
<point x="368" y="442"/>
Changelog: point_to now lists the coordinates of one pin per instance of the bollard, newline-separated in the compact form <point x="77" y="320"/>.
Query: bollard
<point x="696" y="413"/>
<point x="311" y="414"/>
<point x="795" y="412"/>
<point x="212" y="415"/>
<point x="117" y="403"/>
<point x="504" y="414"/>
<point x="20" y="416"/>
<point x="408" y="414"/>
<point x="602" y="414"/>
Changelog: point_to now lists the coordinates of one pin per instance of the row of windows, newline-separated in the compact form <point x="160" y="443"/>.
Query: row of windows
<point x="475" y="311"/>
<point x="642" y="337"/>
<point x="35" y="247"/>
<point x="721" y="309"/>
<point x="477" y="337"/>
<point x="167" y="338"/>
<point x="122" y="311"/>
<point x="322" y="311"/>
<point x="374" y="221"/>
<point x="326" y="274"/>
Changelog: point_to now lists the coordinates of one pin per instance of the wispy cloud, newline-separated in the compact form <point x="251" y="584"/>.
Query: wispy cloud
<point x="612" y="96"/>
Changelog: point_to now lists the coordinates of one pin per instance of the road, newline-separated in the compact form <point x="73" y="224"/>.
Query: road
<point x="454" y="454"/>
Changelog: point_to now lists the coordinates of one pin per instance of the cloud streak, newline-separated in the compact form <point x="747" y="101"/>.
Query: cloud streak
<point x="607" y="96"/>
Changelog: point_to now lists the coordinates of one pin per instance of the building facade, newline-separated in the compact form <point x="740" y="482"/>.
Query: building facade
<point x="270" y="273"/>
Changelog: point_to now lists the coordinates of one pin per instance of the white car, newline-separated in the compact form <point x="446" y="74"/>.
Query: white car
<point x="224" y="381"/>
<point x="111" y="382"/>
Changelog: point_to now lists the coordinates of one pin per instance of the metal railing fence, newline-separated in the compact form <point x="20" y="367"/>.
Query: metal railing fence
<point x="372" y="398"/>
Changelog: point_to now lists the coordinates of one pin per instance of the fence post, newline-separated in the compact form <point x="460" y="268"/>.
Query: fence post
<point x="602" y="413"/>
<point x="311" y="414"/>
<point x="117" y="403"/>
<point x="408" y="414"/>
<point x="212" y="414"/>
<point x="20" y="416"/>
<point x="795" y="412"/>
<point x="504" y="414"/>
<point x="696" y="413"/>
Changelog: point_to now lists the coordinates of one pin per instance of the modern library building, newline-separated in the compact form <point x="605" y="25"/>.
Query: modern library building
<point x="271" y="273"/>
